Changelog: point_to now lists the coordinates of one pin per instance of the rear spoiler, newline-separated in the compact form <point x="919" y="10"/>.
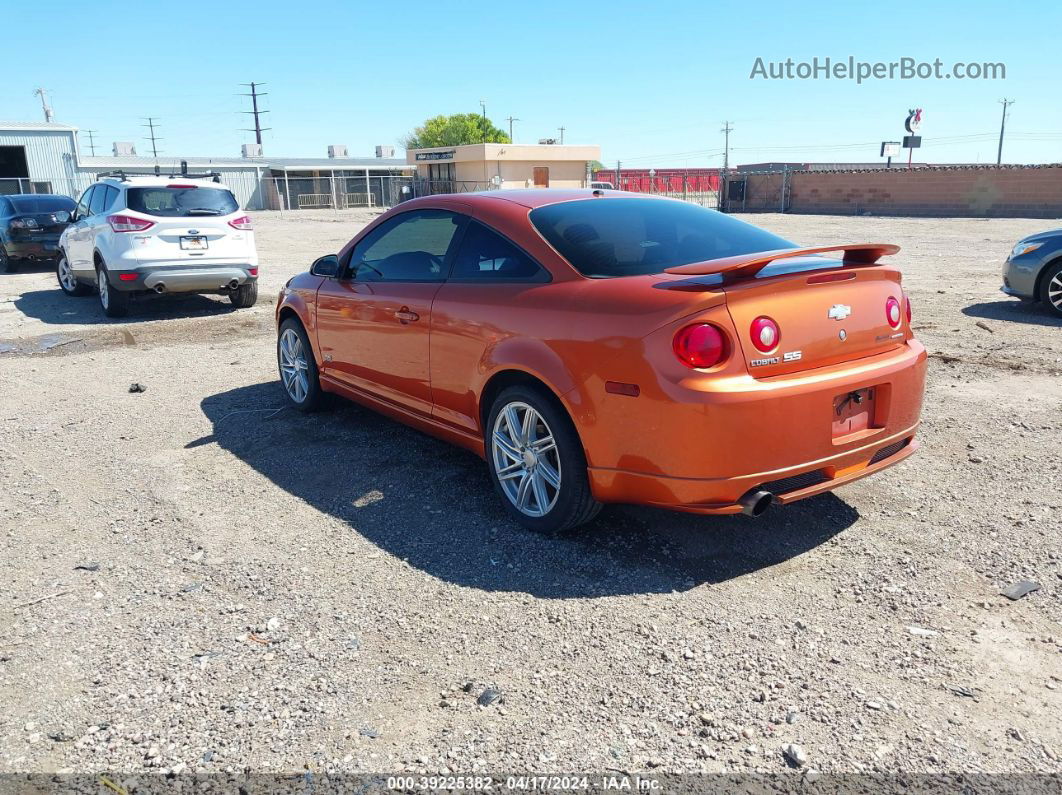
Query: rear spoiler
<point x="746" y="266"/>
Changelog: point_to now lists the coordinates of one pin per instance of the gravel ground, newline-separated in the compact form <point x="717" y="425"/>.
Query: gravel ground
<point x="194" y="578"/>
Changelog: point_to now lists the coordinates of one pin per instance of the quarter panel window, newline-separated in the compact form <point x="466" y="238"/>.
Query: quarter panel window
<point x="411" y="247"/>
<point x="485" y="255"/>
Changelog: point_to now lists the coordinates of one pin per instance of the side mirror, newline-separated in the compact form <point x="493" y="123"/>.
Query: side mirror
<point x="62" y="217"/>
<point x="327" y="266"/>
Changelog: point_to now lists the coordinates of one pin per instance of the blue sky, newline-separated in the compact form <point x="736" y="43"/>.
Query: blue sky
<point x="650" y="82"/>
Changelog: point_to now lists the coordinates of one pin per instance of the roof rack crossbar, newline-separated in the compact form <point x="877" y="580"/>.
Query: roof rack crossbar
<point x="125" y="177"/>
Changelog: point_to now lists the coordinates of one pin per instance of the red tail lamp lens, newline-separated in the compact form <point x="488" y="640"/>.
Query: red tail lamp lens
<point x="243" y="222"/>
<point x="892" y="311"/>
<point x="765" y="334"/>
<point x="700" y="346"/>
<point x="907" y="305"/>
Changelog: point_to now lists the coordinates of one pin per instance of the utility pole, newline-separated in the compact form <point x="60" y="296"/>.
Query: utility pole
<point x="562" y="134"/>
<point x="1002" y="124"/>
<point x="511" y="119"/>
<point x="92" y="141"/>
<point x="618" y="176"/>
<point x="483" y="105"/>
<point x="727" y="129"/>
<point x="152" y="121"/>
<point x="254" y="95"/>
<point x="43" y="94"/>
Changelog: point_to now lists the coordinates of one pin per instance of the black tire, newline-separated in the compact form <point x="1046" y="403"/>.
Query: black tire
<point x="79" y="288"/>
<point x="7" y="265"/>
<point x="114" y="303"/>
<point x="313" y="397"/>
<point x="245" y="296"/>
<point x="1051" y="289"/>
<point x="572" y="504"/>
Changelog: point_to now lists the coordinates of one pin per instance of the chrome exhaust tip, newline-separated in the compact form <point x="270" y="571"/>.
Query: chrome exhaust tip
<point x="160" y="288"/>
<point x="234" y="284"/>
<point x="755" y="502"/>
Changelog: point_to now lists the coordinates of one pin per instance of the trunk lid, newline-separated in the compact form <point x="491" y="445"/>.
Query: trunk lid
<point x="824" y="315"/>
<point x="200" y="239"/>
<point x="38" y="225"/>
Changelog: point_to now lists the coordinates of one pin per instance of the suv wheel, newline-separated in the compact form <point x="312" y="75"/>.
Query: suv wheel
<point x="245" y="295"/>
<point x="7" y="265"/>
<point x="115" y="303"/>
<point x="537" y="463"/>
<point x="298" y="370"/>
<point x="68" y="283"/>
<point x="1052" y="288"/>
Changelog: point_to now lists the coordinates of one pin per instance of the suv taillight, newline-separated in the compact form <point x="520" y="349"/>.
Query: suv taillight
<point x="243" y="222"/>
<point x="700" y="346"/>
<point x="126" y="223"/>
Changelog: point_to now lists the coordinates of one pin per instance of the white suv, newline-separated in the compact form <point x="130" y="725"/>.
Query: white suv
<point x="178" y="234"/>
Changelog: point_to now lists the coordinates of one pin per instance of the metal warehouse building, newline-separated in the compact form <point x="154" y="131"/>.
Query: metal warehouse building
<point x="38" y="157"/>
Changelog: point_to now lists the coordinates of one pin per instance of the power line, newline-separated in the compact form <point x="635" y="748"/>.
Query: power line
<point x="151" y="124"/>
<point x="254" y="95"/>
<point x="1002" y="124"/>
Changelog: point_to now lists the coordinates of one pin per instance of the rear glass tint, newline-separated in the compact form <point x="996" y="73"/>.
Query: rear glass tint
<point x="605" y="238"/>
<point x="41" y="204"/>
<point x="182" y="202"/>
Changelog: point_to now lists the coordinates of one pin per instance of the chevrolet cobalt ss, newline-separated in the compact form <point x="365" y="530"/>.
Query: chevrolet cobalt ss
<point x="601" y="346"/>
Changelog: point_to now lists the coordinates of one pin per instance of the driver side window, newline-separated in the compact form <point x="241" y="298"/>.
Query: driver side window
<point x="411" y="247"/>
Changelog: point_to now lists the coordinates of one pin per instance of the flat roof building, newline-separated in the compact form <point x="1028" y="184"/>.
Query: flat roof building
<point x="488" y="166"/>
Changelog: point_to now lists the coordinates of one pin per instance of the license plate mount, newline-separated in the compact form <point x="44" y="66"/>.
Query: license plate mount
<point x="853" y="412"/>
<point x="194" y="243"/>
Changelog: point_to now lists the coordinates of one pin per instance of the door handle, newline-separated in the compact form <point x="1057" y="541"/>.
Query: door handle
<point x="406" y="316"/>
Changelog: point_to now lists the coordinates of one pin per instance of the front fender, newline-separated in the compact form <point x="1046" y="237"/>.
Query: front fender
<point x="302" y="301"/>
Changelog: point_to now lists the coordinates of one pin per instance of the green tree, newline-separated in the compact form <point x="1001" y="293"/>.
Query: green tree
<point x="596" y="165"/>
<point x="455" y="130"/>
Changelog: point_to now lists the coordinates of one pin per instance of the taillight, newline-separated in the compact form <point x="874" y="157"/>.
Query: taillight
<point x="126" y="223"/>
<point x="24" y="223"/>
<point x="127" y="277"/>
<point x="243" y="222"/>
<point x="700" y="346"/>
<point x="907" y="306"/>
<point x="252" y="271"/>
<point x="765" y="334"/>
<point x="892" y="311"/>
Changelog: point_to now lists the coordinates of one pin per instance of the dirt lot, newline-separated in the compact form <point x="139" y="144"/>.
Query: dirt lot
<point x="194" y="578"/>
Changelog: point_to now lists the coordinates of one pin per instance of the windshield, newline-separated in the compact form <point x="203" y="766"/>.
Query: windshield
<point x="605" y="238"/>
<point x="41" y="204"/>
<point x="182" y="202"/>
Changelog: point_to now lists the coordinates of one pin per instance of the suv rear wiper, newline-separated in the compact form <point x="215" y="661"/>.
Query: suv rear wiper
<point x="203" y="211"/>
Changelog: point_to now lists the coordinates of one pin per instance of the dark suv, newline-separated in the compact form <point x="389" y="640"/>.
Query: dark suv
<point x="30" y="225"/>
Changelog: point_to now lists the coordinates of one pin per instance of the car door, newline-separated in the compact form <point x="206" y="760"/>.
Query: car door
<point x="374" y="320"/>
<point x="78" y="248"/>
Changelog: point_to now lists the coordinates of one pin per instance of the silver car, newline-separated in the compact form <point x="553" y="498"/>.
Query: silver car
<point x="1033" y="271"/>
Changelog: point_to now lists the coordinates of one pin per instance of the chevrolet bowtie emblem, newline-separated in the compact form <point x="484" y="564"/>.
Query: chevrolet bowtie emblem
<point x="839" y="312"/>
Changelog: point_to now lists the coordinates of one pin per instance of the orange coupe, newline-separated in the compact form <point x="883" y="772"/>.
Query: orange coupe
<point x="600" y="346"/>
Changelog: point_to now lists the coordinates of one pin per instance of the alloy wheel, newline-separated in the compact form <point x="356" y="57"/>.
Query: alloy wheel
<point x="526" y="459"/>
<point x="66" y="275"/>
<point x="103" y="287"/>
<point x="293" y="365"/>
<point x="1054" y="291"/>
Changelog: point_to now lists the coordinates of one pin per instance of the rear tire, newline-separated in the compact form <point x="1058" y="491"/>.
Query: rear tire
<point x="245" y="296"/>
<point x="298" y="368"/>
<point x="68" y="283"/>
<point x="7" y="265"/>
<point x="114" y="303"/>
<point x="1051" y="289"/>
<point x="543" y="483"/>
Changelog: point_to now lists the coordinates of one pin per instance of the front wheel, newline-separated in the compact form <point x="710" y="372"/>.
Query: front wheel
<point x="298" y="370"/>
<point x="68" y="283"/>
<point x="536" y="462"/>
<point x="245" y="295"/>
<point x="1052" y="288"/>
<point x="115" y="303"/>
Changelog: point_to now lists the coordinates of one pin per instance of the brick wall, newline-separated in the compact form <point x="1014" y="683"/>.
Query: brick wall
<point x="957" y="191"/>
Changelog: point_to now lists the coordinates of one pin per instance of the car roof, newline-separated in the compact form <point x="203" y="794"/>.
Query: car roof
<point x="540" y="197"/>
<point x="151" y="181"/>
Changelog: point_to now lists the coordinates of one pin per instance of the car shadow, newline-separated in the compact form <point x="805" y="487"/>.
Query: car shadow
<point x="431" y="504"/>
<point x="1014" y="311"/>
<point x="55" y="307"/>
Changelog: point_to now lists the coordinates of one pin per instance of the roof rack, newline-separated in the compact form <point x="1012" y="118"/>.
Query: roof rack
<point x="184" y="173"/>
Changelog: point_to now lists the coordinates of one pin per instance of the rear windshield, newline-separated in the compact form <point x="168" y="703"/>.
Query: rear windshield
<point x="182" y="202"/>
<point x="41" y="204"/>
<point x="604" y="238"/>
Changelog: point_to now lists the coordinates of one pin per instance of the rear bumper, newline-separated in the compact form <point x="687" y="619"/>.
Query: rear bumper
<point x="44" y="249"/>
<point x="773" y="434"/>
<point x="183" y="279"/>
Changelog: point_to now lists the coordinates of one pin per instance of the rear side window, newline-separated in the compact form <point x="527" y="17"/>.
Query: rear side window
<point x="98" y="202"/>
<point x="485" y="255"/>
<point x="409" y="247"/>
<point x="170" y="202"/>
<point x="604" y="238"/>
<point x="83" y="202"/>
<point x="41" y="204"/>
